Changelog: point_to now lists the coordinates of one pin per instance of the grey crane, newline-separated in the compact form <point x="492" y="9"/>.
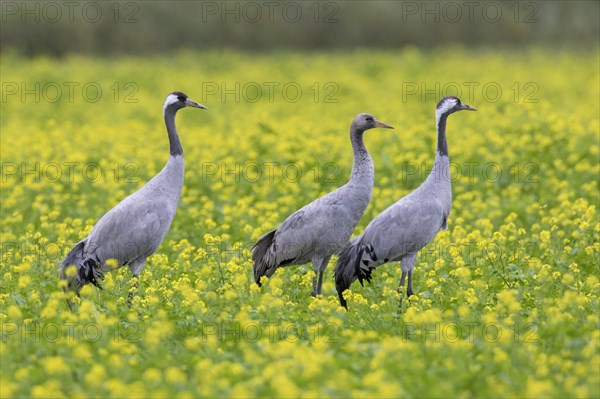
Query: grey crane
<point x="321" y="228"/>
<point x="135" y="227"/>
<point x="402" y="230"/>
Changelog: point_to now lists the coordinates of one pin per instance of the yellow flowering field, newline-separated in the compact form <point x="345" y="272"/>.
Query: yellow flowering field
<point x="507" y="299"/>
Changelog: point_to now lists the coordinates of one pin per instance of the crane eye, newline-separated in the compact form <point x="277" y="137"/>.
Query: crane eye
<point x="181" y="98"/>
<point x="370" y="119"/>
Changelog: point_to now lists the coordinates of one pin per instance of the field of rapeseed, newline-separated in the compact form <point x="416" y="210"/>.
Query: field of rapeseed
<point x="507" y="299"/>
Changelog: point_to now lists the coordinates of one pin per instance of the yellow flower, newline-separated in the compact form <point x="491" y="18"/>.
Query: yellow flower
<point x="54" y="365"/>
<point x="112" y="263"/>
<point x="96" y="375"/>
<point x="500" y="356"/>
<point x="71" y="271"/>
<point x="507" y="299"/>
<point x="538" y="388"/>
<point x="175" y="375"/>
<point x="49" y="389"/>
<point x="568" y="279"/>
<point x="14" y="313"/>
<point x="470" y="296"/>
<point x="24" y="281"/>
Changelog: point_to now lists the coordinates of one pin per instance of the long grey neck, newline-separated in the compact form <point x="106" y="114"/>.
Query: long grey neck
<point x="442" y="145"/>
<point x="174" y="142"/>
<point x="440" y="173"/>
<point x="362" y="169"/>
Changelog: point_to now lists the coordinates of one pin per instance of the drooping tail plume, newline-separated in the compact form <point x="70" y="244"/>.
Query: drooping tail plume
<point x="88" y="270"/>
<point x="260" y="256"/>
<point x="346" y="268"/>
<point x="356" y="261"/>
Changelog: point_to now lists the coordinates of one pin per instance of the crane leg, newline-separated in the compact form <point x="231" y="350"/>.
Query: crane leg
<point x="407" y="266"/>
<point x="135" y="280"/>
<point x="401" y="290"/>
<point x="314" y="291"/>
<point x="136" y="268"/>
<point x="69" y="304"/>
<point x="320" y="282"/>
<point x="322" y="268"/>
<point x="319" y="265"/>
<point x="410" y="291"/>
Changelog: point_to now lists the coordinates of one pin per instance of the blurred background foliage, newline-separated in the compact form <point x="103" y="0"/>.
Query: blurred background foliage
<point x="102" y="27"/>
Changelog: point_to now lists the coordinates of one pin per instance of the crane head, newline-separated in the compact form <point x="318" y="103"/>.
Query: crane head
<point x="179" y="100"/>
<point x="365" y="122"/>
<point x="451" y="104"/>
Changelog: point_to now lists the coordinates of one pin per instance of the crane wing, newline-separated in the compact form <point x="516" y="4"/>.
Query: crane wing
<point x="405" y="227"/>
<point x="321" y="224"/>
<point x="132" y="229"/>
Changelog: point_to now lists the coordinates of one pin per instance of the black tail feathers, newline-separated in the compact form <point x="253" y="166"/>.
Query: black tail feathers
<point x="259" y="250"/>
<point x="346" y="269"/>
<point x="351" y="265"/>
<point x="89" y="270"/>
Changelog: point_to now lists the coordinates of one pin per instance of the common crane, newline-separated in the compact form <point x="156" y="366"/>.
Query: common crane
<point x="135" y="227"/>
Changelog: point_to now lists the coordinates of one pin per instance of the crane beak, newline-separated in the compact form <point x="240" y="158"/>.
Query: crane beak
<point x="190" y="103"/>
<point x="467" y="107"/>
<point x="383" y="125"/>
